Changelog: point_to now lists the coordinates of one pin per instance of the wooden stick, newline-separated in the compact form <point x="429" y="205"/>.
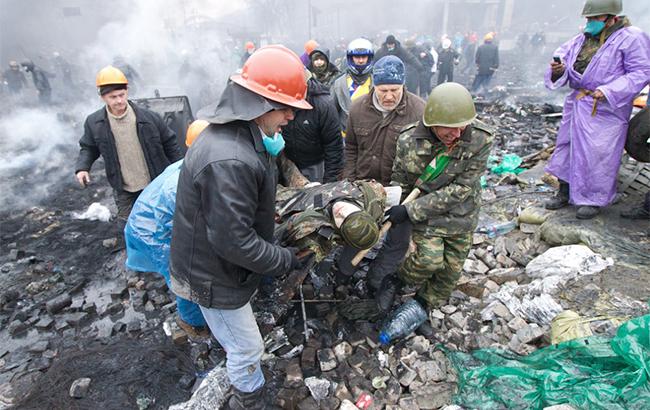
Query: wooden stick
<point x="384" y="229"/>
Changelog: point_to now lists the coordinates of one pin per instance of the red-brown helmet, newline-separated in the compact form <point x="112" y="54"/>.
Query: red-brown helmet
<point x="276" y="73"/>
<point x="249" y="45"/>
<point x="310" y="46"/>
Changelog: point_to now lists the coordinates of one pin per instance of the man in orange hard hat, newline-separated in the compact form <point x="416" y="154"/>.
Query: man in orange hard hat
<point x="222" y="241"/>
<point x="249" y="48"/>
<point x="310" y="46"/>
<point x="135" y="143"/>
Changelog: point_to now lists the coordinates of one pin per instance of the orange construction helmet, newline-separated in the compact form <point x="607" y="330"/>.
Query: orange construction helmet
<point x="310" y="46"/>
<point x="276" y="73"/>
<point x="110" y="75"/>
<point x="193" y="131"/>
<point x="249" y="45"/>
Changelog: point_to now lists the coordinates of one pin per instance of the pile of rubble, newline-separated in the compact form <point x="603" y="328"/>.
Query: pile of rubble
<point x="64" y="288"/>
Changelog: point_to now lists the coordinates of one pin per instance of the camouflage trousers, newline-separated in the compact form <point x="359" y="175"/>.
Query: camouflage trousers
<point x="434" y="264"/>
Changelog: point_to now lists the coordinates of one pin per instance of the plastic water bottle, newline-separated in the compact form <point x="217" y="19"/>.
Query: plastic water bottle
<point x="500" y="229"/>
<point x="404" y="320"/>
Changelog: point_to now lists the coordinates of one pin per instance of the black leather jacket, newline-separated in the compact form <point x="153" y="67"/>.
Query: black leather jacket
<point x="158" y="142"/>
<point x="224" y="219"/>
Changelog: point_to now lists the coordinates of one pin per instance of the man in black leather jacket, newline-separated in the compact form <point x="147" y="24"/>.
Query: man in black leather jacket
<point x="225" y="206"/>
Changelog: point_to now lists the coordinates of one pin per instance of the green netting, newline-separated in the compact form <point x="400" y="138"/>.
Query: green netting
<point x="588" y="373"/>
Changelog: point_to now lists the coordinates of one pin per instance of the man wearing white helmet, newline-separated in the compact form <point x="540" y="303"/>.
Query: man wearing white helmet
<point x="357" y="80"/>
<point x="447" y="59"/>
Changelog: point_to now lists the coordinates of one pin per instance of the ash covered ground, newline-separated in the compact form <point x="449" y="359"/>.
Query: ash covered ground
<point x="70" y="310"/>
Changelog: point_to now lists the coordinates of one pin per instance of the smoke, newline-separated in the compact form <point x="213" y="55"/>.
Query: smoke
<point x="173" y="53"/>
<point x="172" y="49"/>
<point x="35" y="155"/>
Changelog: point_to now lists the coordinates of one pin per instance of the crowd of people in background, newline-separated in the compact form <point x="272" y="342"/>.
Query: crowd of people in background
<point x="54" y="78"/>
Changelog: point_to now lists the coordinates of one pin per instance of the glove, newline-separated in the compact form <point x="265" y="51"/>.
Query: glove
<point x="296" y="263"/>
<point x="397" y="214"/>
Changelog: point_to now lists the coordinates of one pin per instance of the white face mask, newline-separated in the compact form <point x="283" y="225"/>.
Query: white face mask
<point x="341" y="210"/>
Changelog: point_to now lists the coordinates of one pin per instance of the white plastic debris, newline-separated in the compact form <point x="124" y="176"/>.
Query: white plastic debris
<point x="95" y="212"/>
<point x="568" y="262"/>
<point x="211" y="393"/>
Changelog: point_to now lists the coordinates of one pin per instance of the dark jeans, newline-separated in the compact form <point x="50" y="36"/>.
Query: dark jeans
<point x="425" y="84"/>
<point x="124" y="201"/>
<point x="445" y="74"/>
<point x="482" y="81"/>
<point x="391" y="254"/>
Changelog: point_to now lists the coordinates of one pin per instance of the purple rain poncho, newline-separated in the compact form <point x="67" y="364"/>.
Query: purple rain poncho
<point x="589" y="148"/>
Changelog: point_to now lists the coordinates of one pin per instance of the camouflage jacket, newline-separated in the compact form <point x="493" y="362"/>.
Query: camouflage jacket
<point x="305" y="215"/>
<point x="449" y="204"/>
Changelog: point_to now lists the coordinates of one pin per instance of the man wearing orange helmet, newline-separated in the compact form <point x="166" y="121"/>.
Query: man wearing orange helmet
<point x="249" y="48"/>
<point x="310" y="46"/>
<point x="135" y="143"/>
<point x="222" y="241"/>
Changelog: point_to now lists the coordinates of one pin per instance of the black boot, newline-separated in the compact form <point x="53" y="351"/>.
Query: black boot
<point x="247" y="401"/>
<point x="587" y="212"/>
<point x="641" y="212"/>
<point x="385" y="296"/>
<point x="561" y="198"/>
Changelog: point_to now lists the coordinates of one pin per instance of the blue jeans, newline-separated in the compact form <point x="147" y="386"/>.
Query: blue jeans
<point x="189" y="312"/>
<point x="237" y="332"/>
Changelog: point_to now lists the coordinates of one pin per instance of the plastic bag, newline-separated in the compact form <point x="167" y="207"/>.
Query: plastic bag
<point x="567" y="262"/>
<point x="569" y="325"/>
<point x="509" y="164"/>
<point x="588" y="373"/>
<point x="95" y="212"/>
<point x="148" y="231"/>
<point x="533" y="215"/>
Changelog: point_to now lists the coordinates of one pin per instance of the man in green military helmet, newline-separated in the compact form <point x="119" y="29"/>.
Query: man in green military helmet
<point x="453" y="147"/>
<point x="321" y="217"/>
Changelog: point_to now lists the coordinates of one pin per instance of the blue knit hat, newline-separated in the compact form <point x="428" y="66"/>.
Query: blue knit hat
<point x="388" y="70"/>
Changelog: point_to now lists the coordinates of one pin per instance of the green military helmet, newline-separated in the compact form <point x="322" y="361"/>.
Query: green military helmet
<point x="599" y="7"/>
<point x="449" y="105"/>
<point x="360" y="230"/>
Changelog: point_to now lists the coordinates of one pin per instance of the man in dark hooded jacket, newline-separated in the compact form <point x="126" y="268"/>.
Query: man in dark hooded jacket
<point x="393" y="47"/>
<point x="222" y="239"/>
<point x="321" y="68"/>
<point x="313" y="138"/>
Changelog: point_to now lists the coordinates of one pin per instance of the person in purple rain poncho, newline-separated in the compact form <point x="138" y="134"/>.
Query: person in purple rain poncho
<point x="606" y="67"/>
